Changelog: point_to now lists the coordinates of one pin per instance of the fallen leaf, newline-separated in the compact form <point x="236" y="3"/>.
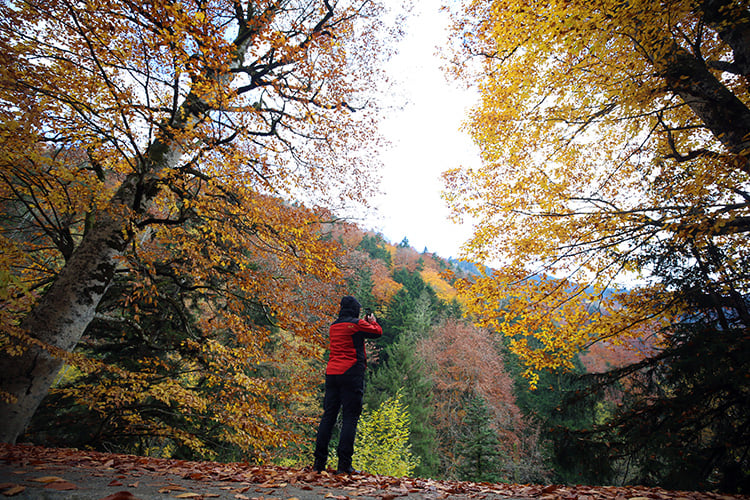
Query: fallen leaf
<point x="48" y="479"/>
<point x="120" y="495"/>
<point x="240" y="496"/>
<point x="171" y="487"/>
<point x="114" y="482"/>
<point x="188" y="495"/>
<point x="14" y="490"/>
<point x="61" y="486"/>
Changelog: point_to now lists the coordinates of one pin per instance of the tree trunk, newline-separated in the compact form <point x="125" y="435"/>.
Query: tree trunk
<point x="61" y="316"/>
<point x="725" y="115"/>
<point x="59" y="319"/>
<point x="732" y="23"/>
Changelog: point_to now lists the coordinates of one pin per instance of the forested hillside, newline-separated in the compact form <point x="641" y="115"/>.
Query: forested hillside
<point x="176" y="179"/>
<point x="444" y="398"/>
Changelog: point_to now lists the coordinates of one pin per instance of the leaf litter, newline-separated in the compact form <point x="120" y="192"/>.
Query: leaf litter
<point x="244" y="481"/>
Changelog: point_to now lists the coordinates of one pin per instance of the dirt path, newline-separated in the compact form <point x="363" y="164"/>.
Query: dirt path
<point x="29" y="472"/>
<point x="37" y="473"/>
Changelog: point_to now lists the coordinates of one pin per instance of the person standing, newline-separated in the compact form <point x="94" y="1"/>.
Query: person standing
<point x="345" y="382"/>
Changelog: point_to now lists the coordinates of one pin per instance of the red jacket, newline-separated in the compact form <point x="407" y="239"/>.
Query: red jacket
<point x="346" y="348"/>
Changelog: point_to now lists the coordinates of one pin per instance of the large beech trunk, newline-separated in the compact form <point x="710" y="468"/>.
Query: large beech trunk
<point x="58" y="320"/>
<point x="61" y="316"/>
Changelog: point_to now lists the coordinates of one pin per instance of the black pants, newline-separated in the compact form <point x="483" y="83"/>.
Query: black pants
<point x="342" y="392"/>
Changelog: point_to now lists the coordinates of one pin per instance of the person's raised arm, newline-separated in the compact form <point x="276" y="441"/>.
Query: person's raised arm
<point x="369" y="326"/>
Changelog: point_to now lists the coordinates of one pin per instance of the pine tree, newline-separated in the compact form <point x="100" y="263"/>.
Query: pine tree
<point x="478" y="451"/>
<point x="361" y="285"/>
<point x="404" y="374"/>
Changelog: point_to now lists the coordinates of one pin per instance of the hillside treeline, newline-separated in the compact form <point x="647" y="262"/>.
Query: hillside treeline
<point x="468" y="410"/>
<point x="171" y="177"/>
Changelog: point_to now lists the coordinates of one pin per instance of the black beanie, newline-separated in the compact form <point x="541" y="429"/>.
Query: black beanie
<point x="349" y="307"/>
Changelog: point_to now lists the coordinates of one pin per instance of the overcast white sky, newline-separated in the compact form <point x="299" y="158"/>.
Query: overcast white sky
<point x="425" y="141"/>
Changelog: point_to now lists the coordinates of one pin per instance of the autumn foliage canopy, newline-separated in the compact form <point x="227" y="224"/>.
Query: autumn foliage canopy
<point x="163" y="171"/>
<point x="614" y="145"/>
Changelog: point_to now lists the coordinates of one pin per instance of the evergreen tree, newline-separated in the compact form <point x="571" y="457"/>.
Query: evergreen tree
<point x="478" y="450"/>
<point x="361" y="285"/>
<point x="375" y="248"/>
<point x="403" y="373"/>
<point x="413" y="308"/>
<point x="546" y="407"/>
<point x="684" y="419"/>
<point x="420" y="318"/>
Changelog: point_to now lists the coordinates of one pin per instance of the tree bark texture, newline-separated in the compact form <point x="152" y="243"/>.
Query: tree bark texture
<point x="733" y="26"/>
<point x="69" y="304"/>
<point x="722" y="112"/>
<point x="59" y="319"/>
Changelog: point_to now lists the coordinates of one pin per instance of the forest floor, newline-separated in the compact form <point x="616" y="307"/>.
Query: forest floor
<point x="38" y="473"/>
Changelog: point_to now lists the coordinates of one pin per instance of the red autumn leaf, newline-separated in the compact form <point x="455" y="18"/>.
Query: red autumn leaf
<point x="61" y="486"/>
<point x="120" y="495"/>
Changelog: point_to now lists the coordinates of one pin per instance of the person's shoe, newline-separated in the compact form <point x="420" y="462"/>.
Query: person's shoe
<point x="347" y="470"/>
<point x="318" y="466"/>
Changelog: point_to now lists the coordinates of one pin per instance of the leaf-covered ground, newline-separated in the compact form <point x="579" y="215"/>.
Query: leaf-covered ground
<point x="33" y="472"/>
